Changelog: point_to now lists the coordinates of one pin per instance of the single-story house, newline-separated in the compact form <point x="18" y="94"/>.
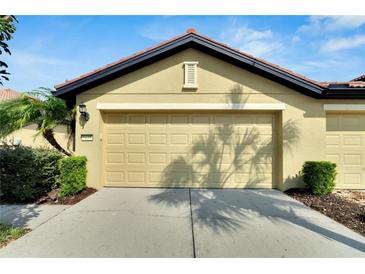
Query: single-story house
<point x="193" y="112"/>
<point x="25" y="136"/>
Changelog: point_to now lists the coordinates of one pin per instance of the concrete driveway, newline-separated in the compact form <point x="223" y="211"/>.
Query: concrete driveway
<point x="144" y="222"/>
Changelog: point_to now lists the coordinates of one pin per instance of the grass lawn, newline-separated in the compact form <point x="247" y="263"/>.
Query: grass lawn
<point x="9" y="233"/>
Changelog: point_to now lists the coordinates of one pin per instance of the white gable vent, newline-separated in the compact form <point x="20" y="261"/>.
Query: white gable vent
<point x="190" y="77"/>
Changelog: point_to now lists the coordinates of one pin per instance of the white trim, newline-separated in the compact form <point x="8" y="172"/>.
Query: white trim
<point x="191" y="62"/>
<point x="189" y="106"/>
<point x="344" y="107"/>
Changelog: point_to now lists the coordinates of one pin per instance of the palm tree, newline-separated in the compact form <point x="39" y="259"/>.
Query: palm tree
<point x="7" y="29"/>
<point x="38" y="107"/>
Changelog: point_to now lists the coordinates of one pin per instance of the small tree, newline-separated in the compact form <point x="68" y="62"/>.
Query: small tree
<point x="39" y="107"/>
<point x="7" y="28"/>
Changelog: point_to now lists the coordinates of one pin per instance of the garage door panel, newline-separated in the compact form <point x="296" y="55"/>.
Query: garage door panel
<point x="263" y="180"/>
<point x="115" y="139"/>
<point x="188" y="150"/>
<point x="157" y="158"/>
<point x="136" y="139"/>
<point x="256" y="169"/>
<point x="200" y="120"/>
<point x="332" y="140"/>
<point x="250" y="130"/>
<point x="225" y="158"/>
<point x="115" y="157"/>
<point x="157" y="120"/>
<point x="134" y="120"/>
<point x="115" y="177"/>
<point x="352" y="160"/>
<point x="178" y="120"/>
<point x="345" y="146"/>
<point x="115" y="119"/>
<point x="179" y="139"/>
<point x="354" y="178"/>
<point x="157" y="139"/>
<point x="352" y="140"/>
<point x="136" y="176"/>
<point x="114" y="167"/>
<point x="335" y="158"/>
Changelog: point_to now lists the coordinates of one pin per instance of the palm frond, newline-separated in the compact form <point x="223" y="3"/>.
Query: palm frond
<point x="38" y="107"/>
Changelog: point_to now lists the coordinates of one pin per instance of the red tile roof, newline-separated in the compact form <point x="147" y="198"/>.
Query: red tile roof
<point x="359" y="78"/>
<point x="8" y="94"/>
<point x="193" y="31"/>
<point x="67" y="82"/>
<point x="351" y="84"/>
<point x="357" y="84"/>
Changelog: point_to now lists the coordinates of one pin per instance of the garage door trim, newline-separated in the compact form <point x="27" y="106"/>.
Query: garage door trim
<point x="344" y="107"/>
<point x="128" y="184"/>
<point x="190" y="106"/>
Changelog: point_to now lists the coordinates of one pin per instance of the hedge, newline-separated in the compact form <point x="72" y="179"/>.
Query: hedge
<point x="319" y="176"/>
<point x="72" y="175"/>
<point x="27" y="173"/>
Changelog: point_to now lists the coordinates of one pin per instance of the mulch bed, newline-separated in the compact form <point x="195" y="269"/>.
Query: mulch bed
<point x="341" y="209"/>
<point x="52" y="199"/>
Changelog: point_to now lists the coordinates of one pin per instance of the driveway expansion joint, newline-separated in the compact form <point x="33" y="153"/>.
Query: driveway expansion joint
<point x="192" y="223"/>
<point x="50" y="218"/>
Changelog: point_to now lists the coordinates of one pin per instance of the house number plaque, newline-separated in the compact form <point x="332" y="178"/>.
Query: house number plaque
<point x="87" y="137"/>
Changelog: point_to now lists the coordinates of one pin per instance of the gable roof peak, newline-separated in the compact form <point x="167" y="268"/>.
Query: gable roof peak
<point x="191" y="30"/>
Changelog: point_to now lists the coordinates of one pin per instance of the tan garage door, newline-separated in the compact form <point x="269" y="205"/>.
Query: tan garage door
<point x="345" y="145"/>
<point x="188" y="150"/>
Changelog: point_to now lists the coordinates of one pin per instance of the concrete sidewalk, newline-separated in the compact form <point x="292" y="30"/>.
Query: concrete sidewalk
<point x="146" y="222"/>
<point x="30" y="215"/>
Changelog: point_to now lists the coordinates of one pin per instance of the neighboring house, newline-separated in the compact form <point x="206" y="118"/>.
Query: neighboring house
<point x="192" y="112"/>
<point x="25" y="136"/>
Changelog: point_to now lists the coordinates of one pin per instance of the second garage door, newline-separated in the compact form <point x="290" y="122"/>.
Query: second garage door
<point x="345" y="146"/>
<point x="188" y="150"/>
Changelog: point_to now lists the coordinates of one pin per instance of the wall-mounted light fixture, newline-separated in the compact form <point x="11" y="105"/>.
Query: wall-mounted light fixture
<point x="83" y="111"/>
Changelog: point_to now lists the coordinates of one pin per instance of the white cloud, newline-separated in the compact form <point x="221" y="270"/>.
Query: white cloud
<point x="295" y="39"/>
<point x="325" y="67"/>
<point x="258" y="43"/>
<point x="343" y="43"/>
<point x="318" y="24"/>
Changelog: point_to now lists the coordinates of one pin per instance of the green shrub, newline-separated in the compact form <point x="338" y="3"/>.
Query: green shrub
<point x="26" y="174"/>
<point x="72" y="175"/>
<point x="319" y="176"/>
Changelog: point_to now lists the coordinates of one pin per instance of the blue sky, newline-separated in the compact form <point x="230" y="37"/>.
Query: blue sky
<point x="46" y="50"/>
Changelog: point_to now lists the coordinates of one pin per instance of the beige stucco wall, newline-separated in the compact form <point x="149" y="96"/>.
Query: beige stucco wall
<point x="303" y="121"/>
<point x="26" y="137"/>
